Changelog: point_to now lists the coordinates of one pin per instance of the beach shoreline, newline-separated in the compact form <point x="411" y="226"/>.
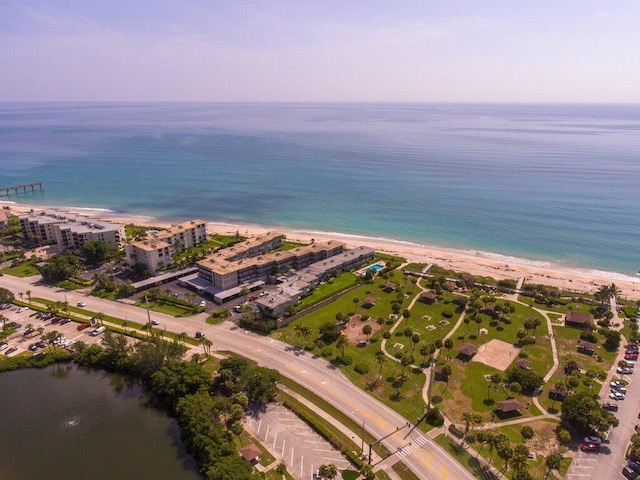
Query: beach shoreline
<point x="477" y="263"/>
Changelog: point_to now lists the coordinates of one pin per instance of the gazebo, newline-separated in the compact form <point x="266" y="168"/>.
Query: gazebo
<point x="523" y="364"/>
<point x="467" y="350"/>
<point x="250" y="453"/>
<point x="577" y="319"/>
<point x="509" y="407"/>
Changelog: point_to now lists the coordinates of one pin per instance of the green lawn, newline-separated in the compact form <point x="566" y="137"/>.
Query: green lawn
<point x="328" y="289"/>
<point x="167" y="308"/>
<point x="460" y="454"/>
<point x="24" y="269"/>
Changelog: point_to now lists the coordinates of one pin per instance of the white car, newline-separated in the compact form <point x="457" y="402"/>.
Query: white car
<point x="615" y="383"/>
<point x="616" y="395"/>
<point x="155" y="322"/>
<point x="22" y="309"/>
<point x="620" y="388"/>
<point x="82" y="304"/>
<point x="203" y="303"/>
<point x="595" y="440"/>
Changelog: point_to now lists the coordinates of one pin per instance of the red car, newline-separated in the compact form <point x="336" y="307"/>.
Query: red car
<point x="590" y="447"/>
<point x="82" y="326"/>
<point x="631" y="356"/>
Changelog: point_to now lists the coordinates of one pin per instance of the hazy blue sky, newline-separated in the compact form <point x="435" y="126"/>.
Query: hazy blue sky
<point x="324" y="50"/>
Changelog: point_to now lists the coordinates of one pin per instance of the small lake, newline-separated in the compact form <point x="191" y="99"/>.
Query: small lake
<point x="65" y="422"/>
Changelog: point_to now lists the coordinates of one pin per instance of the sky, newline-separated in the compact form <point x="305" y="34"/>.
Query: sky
<point x="321" y="51"/>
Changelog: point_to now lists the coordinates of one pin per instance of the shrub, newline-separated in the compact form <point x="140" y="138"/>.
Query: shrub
<point x="455" y="431"/>
<point x="310" y="346"/>
<point x="434" y="417"/>
<point x="589" y="337"/>
<point x="386" y="335"/>
<point x="326" y="352"/>
<point x="361" y="368"/>
<point x="346" y="360"/>
<point x="447" y="312"/>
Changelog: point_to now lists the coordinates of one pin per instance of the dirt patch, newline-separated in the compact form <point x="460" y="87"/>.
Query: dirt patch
<point x="353" y="329"/>
<point x="496" y="354"/>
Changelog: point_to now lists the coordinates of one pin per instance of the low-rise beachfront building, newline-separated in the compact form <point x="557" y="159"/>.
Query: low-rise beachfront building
<point x="228" y="271"/>
<point x="153" y="253"/>
<point x="70" y="231"/>
<point x="156" y="251"/>
<point x="185" y="235"/>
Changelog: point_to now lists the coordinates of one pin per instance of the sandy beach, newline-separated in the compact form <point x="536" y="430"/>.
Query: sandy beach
<point x="476" y="263"/>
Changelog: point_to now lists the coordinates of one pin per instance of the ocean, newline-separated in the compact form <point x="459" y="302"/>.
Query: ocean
<point x="546" y="184"/>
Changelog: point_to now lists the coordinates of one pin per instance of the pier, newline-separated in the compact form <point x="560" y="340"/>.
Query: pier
<point x="16" y="189"/>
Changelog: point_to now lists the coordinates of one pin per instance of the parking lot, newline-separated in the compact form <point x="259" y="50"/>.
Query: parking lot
<point x="25" y="317"/>
<point x="293" y="441"/>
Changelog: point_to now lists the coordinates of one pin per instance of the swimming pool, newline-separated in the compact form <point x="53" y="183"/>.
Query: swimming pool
<point x="376" y="267"/>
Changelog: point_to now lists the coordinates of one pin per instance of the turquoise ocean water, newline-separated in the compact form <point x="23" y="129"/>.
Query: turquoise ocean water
<point x="547" y="183"/>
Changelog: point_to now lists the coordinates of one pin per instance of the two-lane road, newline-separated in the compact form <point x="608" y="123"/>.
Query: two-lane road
<point x="428" y="460"/>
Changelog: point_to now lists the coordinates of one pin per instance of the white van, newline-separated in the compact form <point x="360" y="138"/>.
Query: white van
<point x="98" y="331"/>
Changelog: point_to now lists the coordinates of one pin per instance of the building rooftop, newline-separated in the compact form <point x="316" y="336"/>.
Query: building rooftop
<point x="511" y="405"/>
<point x="150" y="245"/>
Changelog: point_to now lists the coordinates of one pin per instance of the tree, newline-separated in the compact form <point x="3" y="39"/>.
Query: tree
<point x="526" y="433"/>
<point x="380" y="359"/>
<point x="28" y="292"/>
<point x="356" y="301"/>
<point x="447" y="370"/>
<point x="553" y="462"/>
<point x="95" y="251"/>
<point x="448" y="344"/>
<point x="367" y="472"/>
<point x="329" y="471"/>
<point x="583" y="411"/>
<point x="6" y="296"/>
<point x="519" y="460"/>
<point x="367" y="330"/>
<point x="505" y="452"/>
<point x="425" y="351"/>
<point x="612" y="339"/>
<point x="478" y="320"/>
<point x="328" y="333"/>
<point x="61" y="266"/>
<point x="341" y="343"/>
<point x="415" y="340"/>
<point x="515" y="388"/>
<point x="494" y="381"/>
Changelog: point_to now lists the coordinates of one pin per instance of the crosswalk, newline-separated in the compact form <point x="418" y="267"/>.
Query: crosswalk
<point x="411" y="447"/>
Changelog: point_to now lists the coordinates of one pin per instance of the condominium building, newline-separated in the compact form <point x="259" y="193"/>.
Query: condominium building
<point x="156" y="251"/>
<point x="235" y="266"/>
<point x="70" y="231"/>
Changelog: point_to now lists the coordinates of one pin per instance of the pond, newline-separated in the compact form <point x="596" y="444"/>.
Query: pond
<point x="65" y="422"/>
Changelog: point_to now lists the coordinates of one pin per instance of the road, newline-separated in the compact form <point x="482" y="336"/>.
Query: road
<point x="425" y="458"/>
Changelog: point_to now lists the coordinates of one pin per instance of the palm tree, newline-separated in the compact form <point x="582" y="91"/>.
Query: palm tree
<point x="492" y="440"/>
<point x="341" y="343"/>
<point x="206" y="345"/>
<point x="518" y="462"/>
<point x="381" y="359"/>
<point x="553" y="463"/>
<point x="125" y="324"/>
<point x="367" y="331"/>
<point x="329" y="471"/>
<point x="181" y="337"/>
<point x="29" y="296"/>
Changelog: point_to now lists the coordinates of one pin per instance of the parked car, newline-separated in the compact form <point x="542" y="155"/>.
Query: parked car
<point x="616" y="396"/>
<point x="596" y="440"/>
<point x="612" y="407"/>
<point x="619" y="388"/>
<point x="155" y="322"/>
<point x="41" y="344"/>
<point x="199" y="335"/>
<point x="65" y="320"/>
<point x="629" y="473"/>
<point x="3" y="346"/>
<point x="624" y="371"/>
<point x="29" y="331"/>
<point x="82" y="326"/>
<point x="32" y="347"/>
<point x="616" y="383"/>
<point x="253" y="297"/>
<point x="590" y="447"/>
<point x="630" y="356"/>
<point x="5" y="306"/>
<point x="11" y="350"/>
<point x="81" y="304"/>
<point x="22" y="309"/>
<point x="203" y="304"/>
